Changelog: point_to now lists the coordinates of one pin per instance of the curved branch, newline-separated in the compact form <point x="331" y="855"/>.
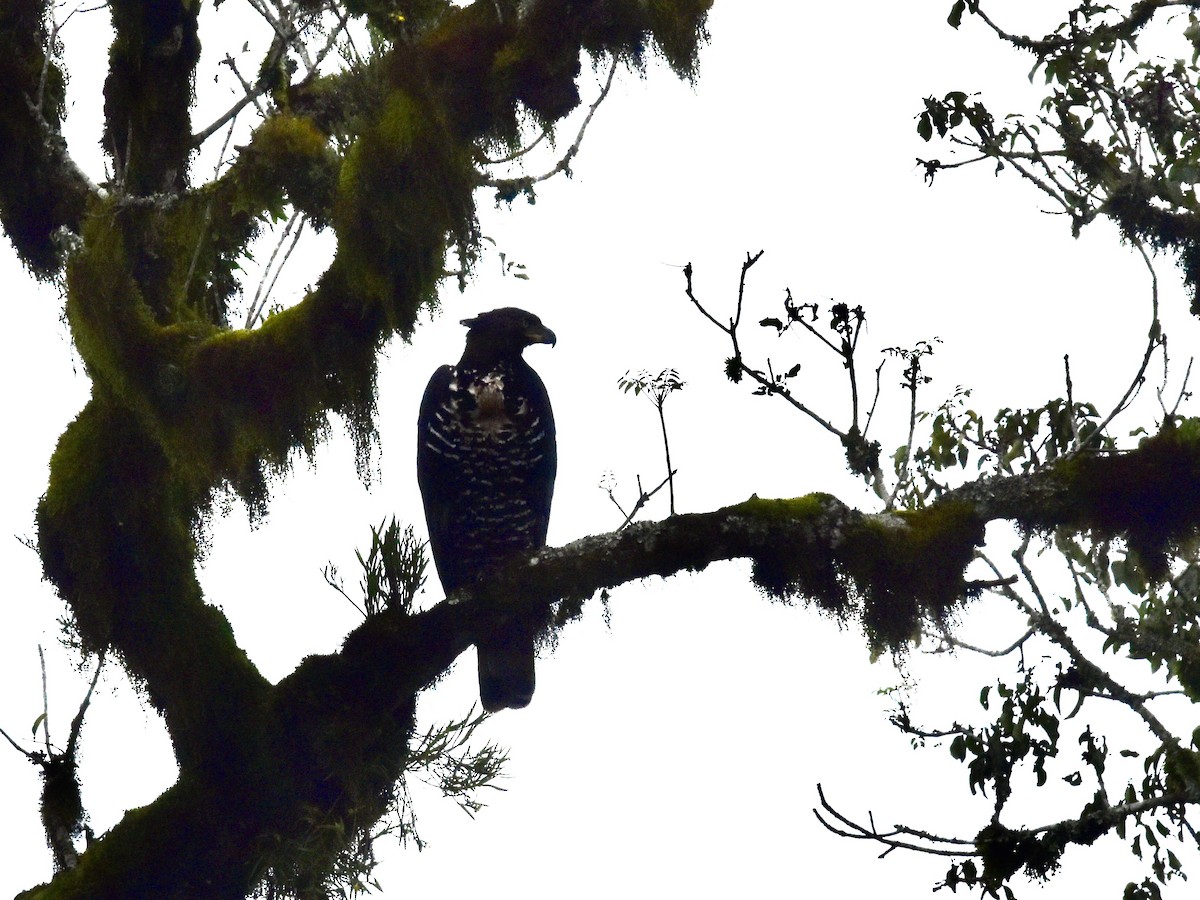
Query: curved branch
<point x="513" y="186"/>
<point x="933" y="844"/>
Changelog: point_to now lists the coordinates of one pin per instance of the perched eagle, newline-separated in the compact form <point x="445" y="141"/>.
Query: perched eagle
<point x="485" y="463"/>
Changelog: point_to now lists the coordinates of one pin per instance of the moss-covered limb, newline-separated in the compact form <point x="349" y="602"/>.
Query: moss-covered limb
<point x="126" y="342"/>
<point x="207" y="232"/>
<point x="890" y="570"/>
<point x="115" y="537"/>
<point x="1038" y="851"/>
<point x="247" y="400"/>
<point x="332" y="735"/>
<point x="191" y="842"/>
<point x="488" y="57"/>
<point x="41" y="189"/>
<point x="114" y="531"/>
<point x="405" y="191"/>
<point x="1149" y="496"/>
<point x="341" y="722"/>
<point x="288" y="157"/>
<point x="149" y="92"/>
<point x="145" y="312"/>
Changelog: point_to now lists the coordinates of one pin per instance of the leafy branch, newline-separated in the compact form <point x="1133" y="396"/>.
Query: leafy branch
<point x="658" y="388"/>
<point x="845" y="323"/>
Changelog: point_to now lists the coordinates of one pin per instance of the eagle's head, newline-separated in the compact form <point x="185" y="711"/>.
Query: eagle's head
<point x="504" y="332"/>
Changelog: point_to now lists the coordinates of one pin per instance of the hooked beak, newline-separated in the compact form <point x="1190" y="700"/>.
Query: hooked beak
<point x="540" y="335"/>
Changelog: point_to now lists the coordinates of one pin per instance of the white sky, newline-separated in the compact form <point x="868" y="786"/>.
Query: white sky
<point x="676" y="753"/>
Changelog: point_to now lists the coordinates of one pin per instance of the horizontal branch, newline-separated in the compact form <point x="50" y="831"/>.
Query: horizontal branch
<point x="891" y="570"/>
<point x="336" y="730"/>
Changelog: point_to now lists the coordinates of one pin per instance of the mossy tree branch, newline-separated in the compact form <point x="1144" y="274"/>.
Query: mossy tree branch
<point x="333" y="733"/>
<point x="41" y="190"/>
<point x="183" y="405"/>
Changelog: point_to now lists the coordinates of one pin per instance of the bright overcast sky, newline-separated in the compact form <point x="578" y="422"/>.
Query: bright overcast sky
<point x="677" y="752"/>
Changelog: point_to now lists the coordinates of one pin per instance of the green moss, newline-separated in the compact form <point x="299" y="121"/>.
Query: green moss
<point x="1150" y="497"/>
<point x="115" y="536"/>
<point x="678" y="31"/>
<point x="149" y="91"/>
<point x="673" y="28"/>
<point x="786" y="571"/>
<point x="405" y="187"/>
<point x="790" y="509"/>
<point x="182" y="405"/>
<point x="908" y="568"/>
<point x="290" y="157"/>
<point x="891" y="572"/>
<point x="38" y="195"/>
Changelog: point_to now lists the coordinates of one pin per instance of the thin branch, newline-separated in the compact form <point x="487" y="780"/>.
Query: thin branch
<point x="616" y="503"/>
<point x="1071" y="402"/>
<point x="1152" y="343"/>
<point x="329" y="573"/>
<point x="851" y="829"/>
<point x="261" y="296"/>
<point x="207" y="213"/>
<point x="32" y="755"/>
<point x="564" y="163"/>
<point x="251" y="96"/>
<point x="331" y="41"/>
<point x="937" y="845"/>
<point x="249" y="89"/>
<point x="1183" y="391"/>
<point x="905" y="475"/>
<point x="516" y="154"/>
<point x="731" y="331"/>
<point x="875" y="400"/>
<point x="949" y="641"/>
<point x="643" y="499"/>
<point x="77" y="722"/>
<point x="1092" y="674"/>
<point x="45" y="701"/>
<point x="667" y="451"/>
<point x="990" y="584"/>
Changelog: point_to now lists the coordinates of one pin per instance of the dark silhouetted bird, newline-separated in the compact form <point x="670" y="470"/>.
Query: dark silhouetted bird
<point x="485" y="463"/>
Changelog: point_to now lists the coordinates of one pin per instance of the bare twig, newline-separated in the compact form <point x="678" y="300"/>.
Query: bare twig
<point x="730" y="331"/>
<point x="77" y="721"/>
<point x="643" y="498"/>
<point x="896" y="839"/>
<point x="951" y="642"/>
<point x="1071" y="402"/>
<point x="1154" y="339"/>
<point x="207" y="213"/>
<point x="263" y="292"/>
<point x="45" y="700"/>
<point x="875" y="400"/>
<point x="517" y="185"/>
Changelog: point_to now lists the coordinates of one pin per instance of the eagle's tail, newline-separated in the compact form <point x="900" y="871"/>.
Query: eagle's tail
<point x="506" y="669"/>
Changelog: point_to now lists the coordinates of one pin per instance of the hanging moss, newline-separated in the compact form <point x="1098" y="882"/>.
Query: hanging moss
<point x="403" y="184"/>
<point x="183" y="406"/>
<point x="115" y="535"/>
<point x="148" y="92"/>
<point x="1149" y="497"/>
<point x="632" y="28"/>
<point x="39" y="193"/>
<point x="891" y="572"/>
<point x="288" y="157"/>
<point x="787" y="571"/>
<point x="908" y="568"/>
